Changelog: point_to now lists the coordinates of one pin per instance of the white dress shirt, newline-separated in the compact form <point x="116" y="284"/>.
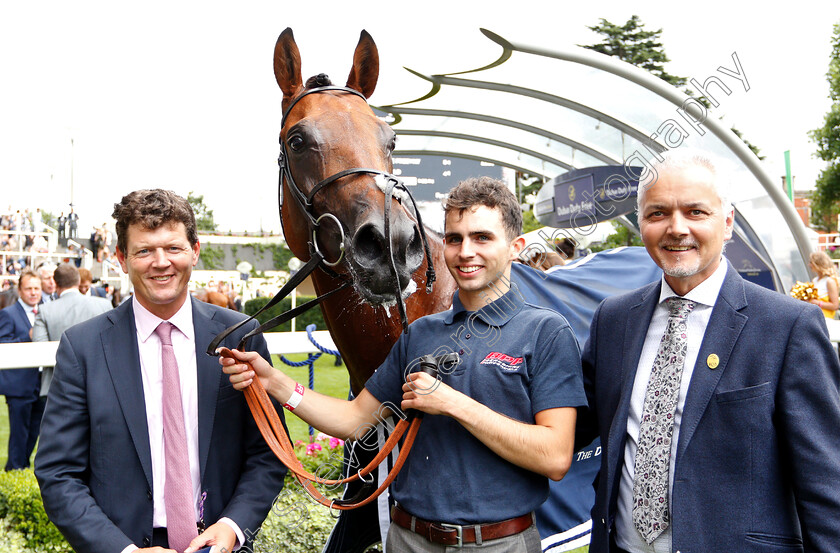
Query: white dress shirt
<point x="30" y="311"/>
<point x="151" y="368"/>
<point x="705" y="295"/>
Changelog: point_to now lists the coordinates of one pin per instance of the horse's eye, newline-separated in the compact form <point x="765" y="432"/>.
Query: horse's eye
<point x="392" y="144"/>
<point x="296" y="143"/>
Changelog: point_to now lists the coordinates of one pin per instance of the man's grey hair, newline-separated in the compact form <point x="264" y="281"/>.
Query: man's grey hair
<point x="46" y="266"/>
<point x="682" y="158"/>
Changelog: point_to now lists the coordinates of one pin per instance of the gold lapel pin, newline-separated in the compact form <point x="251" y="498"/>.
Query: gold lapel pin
<point x="712" y="361"/>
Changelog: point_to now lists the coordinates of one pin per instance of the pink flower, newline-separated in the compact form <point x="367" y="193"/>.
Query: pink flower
<point x="322" y="437"/>
<point x="299" y="442"/>
<point x="335" y="442"/>
<point x="313" y="449"/>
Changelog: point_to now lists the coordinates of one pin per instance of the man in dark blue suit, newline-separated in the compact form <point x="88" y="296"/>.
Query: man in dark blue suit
<point x="716" y="400"/>
<point x="106" y="453"/>
<point x="21" y="386"/>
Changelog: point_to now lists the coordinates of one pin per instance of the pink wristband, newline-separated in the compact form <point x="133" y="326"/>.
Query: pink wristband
<point x="295" y="398"/>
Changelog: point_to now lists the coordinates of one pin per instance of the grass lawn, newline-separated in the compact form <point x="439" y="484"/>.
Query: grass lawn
<point x="329" y="379"/>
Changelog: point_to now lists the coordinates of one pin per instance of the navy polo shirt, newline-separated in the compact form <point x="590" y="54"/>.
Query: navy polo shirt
<point x="516" y="358"/>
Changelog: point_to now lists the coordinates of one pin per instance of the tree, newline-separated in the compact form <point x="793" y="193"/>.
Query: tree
<point x="621" y="237"/>
<point x="632" y="43"/>
<point x="825" y="200"/>
<point x="635" y="45"/>
<point x="203" y="215"/>
<point x="527" y="184"/>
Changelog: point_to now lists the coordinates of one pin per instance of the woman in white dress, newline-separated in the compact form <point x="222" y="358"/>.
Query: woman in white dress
<point x="826" y="282"/>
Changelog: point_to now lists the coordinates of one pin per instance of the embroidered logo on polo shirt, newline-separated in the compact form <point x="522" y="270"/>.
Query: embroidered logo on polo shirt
<point x="506" y="362"/>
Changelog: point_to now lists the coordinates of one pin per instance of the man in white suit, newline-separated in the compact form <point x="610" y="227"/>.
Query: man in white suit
<point x="69" y="309"/>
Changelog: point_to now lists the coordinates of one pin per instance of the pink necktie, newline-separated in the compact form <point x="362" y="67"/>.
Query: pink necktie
<point x="177" y="490"/>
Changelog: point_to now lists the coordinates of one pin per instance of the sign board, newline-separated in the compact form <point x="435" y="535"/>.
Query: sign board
<point x="584" y="197"/>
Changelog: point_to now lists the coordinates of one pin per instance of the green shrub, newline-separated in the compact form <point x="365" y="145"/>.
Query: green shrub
<point x="211" y="257"/>
<point x="314" y="315"/>
<point x="10" y="539"/>
<point x="23" y="511"/>
<point x="295" y="523"/>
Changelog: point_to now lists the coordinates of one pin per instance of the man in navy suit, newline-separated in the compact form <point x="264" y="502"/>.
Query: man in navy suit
<point x="21" y="386"/>
<point x="748" y="454"/>
<point x="103" y="462"/>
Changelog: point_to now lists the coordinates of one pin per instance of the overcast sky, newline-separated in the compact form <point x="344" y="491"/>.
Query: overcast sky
<point x="181" y="94"/>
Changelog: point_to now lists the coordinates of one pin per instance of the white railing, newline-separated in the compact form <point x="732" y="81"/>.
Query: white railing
<point x="42" y="354"/>
<point x="87" y="255"/>
<point x="827" y="241"/>
<point x="51" y="236"/>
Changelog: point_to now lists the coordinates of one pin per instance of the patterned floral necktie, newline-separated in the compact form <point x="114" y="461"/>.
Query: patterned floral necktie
<point x="651" y="513"/>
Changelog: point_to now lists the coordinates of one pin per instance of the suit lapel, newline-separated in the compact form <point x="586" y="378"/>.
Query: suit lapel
<point x="637" y="322"/>
<point x="20" y="313"/>
<point x="123" y="361"/>
<point x="209" y="377"/>
<point x="722" y="332"/>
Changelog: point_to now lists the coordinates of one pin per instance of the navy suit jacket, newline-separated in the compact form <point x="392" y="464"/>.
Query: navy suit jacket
<point x="94" y="461"/>
<point x="758" y="457"/>
<point x="14" y="327"/>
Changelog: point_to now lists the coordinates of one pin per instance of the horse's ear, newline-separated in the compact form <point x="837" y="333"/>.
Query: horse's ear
<point x="287" y="65"/>
<point x="365" y="70"/>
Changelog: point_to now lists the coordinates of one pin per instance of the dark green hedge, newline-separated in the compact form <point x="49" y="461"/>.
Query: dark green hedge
<point x="314" y="315"/>
<point x="22" y="509"/>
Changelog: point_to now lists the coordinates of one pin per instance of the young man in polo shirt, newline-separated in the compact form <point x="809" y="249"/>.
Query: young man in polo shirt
<point x="499" y="422"/>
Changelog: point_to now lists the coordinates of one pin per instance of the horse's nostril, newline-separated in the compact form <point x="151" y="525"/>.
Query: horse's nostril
<point x="368" y="246"/>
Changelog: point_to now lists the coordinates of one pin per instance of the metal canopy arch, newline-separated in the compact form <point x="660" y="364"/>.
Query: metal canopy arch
<point x="597" y="154"/>
<point x="589" y="109"/>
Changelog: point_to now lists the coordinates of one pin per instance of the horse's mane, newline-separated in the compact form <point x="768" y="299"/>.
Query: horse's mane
<point x="319" y="80"/>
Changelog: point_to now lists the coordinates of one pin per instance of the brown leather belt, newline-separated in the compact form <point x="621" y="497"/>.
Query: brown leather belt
<point x="455" y="534"/>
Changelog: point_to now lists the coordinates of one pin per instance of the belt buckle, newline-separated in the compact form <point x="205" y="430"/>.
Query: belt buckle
<point x="459" y="531"/>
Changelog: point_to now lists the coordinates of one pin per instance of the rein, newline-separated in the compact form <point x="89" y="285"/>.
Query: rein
<point x="265" y="415"/>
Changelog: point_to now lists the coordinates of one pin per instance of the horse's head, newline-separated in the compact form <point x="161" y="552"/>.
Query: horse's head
<point x="325" y="134"/>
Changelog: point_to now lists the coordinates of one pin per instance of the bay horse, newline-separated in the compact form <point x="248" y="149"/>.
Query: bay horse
<point x="325" y="134"/>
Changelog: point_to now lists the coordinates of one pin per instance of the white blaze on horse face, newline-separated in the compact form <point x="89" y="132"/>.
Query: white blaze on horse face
<point x="382" y="183"/>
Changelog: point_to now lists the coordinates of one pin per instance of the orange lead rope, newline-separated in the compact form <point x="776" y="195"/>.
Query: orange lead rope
<point x="271" y="428"/>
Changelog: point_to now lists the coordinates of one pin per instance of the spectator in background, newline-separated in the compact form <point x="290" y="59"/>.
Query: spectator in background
<point x="70" y="308"/>
<point x="86" y="282"/>
<point x="38" y="220"/>
<point x="94" y="241"/>
<point x="20" y="386"/>
<point x="73" y="222"/>
<point x="45" y="271"/>
<point x="39" y="244"/>
<point x="826" y="282"/>
<point x="8" y="295"/>
<point x="566" y="247"/>
<point x="543" y="260"/>
<point x="116" y="297"/>
<point x="62" y="226"/>
<point x="76" y="255"/>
